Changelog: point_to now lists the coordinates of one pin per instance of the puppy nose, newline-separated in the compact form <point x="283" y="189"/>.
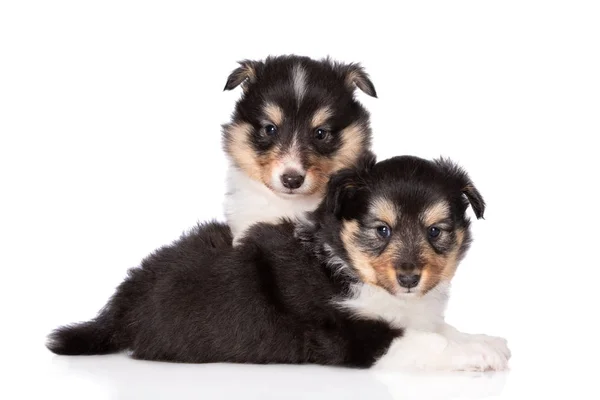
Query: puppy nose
<point x="409" y="281"/>
<point x="292" y="180"/>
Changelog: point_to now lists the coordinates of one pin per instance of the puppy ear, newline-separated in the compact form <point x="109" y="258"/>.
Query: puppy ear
<point x="346" y="186"/>
<point x="246" y="71"/>
<point x="459" y="177"/>
<point x="476" y="200"/>
<point x="341" y="188"/>
<point x="355" y="76"/>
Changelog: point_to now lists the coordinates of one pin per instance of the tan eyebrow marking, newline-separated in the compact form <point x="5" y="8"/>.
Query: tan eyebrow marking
<point x="435" y="213"/>
<point x="321" y="116"/>
<point x="274" y="113"/>
<point x="384" y="210"/>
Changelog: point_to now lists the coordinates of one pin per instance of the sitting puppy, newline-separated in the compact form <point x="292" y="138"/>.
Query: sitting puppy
<point x="360" y="282"/>
<point x="296" y="123"/>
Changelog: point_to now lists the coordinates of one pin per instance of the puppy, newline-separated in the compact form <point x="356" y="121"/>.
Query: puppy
<point x="362" y="281"/>
<point x="296" y="123"/>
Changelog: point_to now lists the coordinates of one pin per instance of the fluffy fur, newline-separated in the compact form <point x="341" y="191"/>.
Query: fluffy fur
<point x="296" y="123"/>
<point x="328" y="289"/>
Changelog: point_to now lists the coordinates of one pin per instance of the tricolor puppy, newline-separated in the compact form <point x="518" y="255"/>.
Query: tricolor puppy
<point x="361" y="282"/>
<point x="296" y="123"/>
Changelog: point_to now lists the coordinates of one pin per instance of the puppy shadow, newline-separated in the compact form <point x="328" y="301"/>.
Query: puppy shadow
<point x="125" y="378"/>
<point x="443" y="385"/>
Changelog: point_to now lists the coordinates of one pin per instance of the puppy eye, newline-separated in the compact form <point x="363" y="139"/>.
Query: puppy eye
<point x="320" y="133"/>
<point x="434" y="232"/>
<point x="270" y="130"/>
<point x="384" y="231"/>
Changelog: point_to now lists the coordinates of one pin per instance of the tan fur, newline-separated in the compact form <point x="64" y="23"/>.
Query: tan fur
<point x="239" y="148"/>
<point x="352" y="145"/>
<point x="319" y="172"/>
<point x="376" y="270"/>
<point x="274" y="113"/>
<point x="320" y="117"/>
<point x="241" y="151"/>
<point x="321" y="168"/>
<point x="384" y="210"/>
<point x="384" y="267"/>
<point x="359" y="260"/>
<point x="433" y="268"/>
<point x="452" y="259"/>
<point x="267" y="163"/>
<point x="439" y="267"/>
<point x="435" y="213"/>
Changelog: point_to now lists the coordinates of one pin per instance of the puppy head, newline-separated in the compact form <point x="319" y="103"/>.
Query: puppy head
<point x="401" y="223"/>
<point x="297" y="122"/>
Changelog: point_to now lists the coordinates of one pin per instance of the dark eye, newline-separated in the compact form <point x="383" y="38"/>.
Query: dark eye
<point x="320" y="134"/>
<point x="434" y="232"/>
<point x="384" y="231"/>
<point x="270" y="130"/>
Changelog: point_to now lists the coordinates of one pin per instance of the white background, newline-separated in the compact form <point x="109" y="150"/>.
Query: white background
<point x="110" y="117"/>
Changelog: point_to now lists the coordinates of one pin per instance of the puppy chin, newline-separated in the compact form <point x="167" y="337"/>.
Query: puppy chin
<point x="405" y="293"/>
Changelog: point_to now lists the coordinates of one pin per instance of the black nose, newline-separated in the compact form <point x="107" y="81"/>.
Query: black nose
<point x="292" y="180"/>
<point x="409" y="281"/>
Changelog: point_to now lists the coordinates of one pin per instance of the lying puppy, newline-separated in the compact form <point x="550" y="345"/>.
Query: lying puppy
<point x="362" y="281"/>
<point x="296" y="123"/>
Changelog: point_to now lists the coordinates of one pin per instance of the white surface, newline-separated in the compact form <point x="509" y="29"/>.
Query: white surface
<point x="110" y="118"/>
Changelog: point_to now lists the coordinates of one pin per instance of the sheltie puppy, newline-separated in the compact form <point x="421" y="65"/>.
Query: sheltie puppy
<point x="296" y="123"/>
<point x="362" y="281"/>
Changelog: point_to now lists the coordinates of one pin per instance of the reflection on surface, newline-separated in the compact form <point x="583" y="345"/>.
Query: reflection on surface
<point x="125" y="378"/>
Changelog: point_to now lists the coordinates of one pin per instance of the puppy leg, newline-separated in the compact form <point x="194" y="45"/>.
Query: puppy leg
<point x="453" y="334"/>
<point x="433" y="351"/>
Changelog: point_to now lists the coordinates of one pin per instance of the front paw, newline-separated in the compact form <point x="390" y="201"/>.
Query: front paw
<point x="498" y="343"/>
<point x="476" y="355"/>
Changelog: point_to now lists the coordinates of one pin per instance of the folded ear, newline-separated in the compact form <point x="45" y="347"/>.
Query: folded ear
<point x="356" y="76"/>
<point x="461" y="179"/>
<point x="346" y="186"/>
<point x="245" y="72"/>
<point x="341" y="188"/>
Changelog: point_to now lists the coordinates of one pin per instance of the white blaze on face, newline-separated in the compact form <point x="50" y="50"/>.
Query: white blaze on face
<point x="299" y="82"/>
<point x="290" y="162"/>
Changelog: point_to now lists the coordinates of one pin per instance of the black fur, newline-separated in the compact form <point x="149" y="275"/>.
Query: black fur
<point x="268" y="300"/>
<point x="248" y="305"/>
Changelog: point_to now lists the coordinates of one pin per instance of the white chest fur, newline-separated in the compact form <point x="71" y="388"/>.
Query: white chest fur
<point x="248" y="202"/>
<point x="423" y="313"/>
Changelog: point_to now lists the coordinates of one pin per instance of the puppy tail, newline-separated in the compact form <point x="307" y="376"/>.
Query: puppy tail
<point x="104" y="334"/>
<point x="86" y="338"/>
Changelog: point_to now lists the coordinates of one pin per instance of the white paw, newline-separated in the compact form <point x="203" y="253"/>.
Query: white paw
<point x="476" y="355"/>
<point x="433" y="351"/>
<point x="499" y="343"/>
